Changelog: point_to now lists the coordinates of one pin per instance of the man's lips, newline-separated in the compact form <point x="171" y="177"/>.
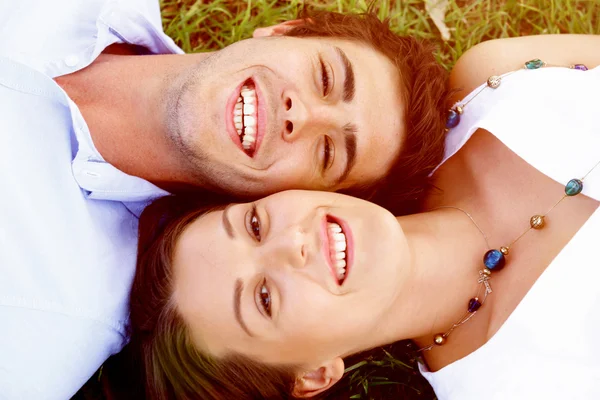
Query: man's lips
<point x="231" y="131"/>
<point x="245" y="117"/>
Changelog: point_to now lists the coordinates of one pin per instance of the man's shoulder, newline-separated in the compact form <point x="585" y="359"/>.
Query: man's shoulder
<point x="50" y="355"/>
<point x="62" y="36"/>
<point x="37" y="33"/>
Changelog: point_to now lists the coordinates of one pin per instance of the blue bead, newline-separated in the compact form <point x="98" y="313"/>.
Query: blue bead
<point x="574" y="187"/>
<point x="580" y="67"/>
<point x="494" y="260"/>
<point x="534" y="64"/>
<point x="474" y="305"/>
<point x="453" y="119"/>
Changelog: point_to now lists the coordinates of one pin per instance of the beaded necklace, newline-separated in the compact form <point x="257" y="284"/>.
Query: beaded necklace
<point x="495" y="259"/>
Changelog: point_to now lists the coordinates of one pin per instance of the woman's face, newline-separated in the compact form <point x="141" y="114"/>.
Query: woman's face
<point x="267" y="279"/>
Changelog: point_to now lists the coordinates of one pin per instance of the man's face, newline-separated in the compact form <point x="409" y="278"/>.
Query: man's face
<point x="269" y="114"/>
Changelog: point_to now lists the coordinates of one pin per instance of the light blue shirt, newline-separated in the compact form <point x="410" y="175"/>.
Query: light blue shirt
<point x="68" y="219"/>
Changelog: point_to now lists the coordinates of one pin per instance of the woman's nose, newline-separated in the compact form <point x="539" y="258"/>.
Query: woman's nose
<point x="291" y="248"/>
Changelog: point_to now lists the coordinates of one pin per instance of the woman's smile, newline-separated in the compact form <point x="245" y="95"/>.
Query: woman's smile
<point x="337" y="246"/>
<point x="295" y="262"/>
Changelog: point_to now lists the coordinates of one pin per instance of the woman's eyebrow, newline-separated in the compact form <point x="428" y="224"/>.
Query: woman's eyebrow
<point x="227" y="223"/>
<point x="237" y="300"/>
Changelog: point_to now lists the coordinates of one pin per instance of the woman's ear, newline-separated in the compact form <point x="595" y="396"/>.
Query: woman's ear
<point x="277" y="30"/>
<point x="311" y="383"/>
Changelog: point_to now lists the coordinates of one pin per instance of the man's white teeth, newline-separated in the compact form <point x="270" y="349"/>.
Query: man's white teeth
<point x="337" y="249"/>
<point x="244" y="116"/>
<point x="249" y="120"/>
<point x="249" y="109"/>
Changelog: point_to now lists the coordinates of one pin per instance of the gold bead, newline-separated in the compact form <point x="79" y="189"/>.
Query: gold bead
<point x="439" y="339"/>
<point x="494" y="81"/>
<point x="537" y="222"/>
<point x="487" y="271"/>
<point x="458" y="109"/>
<point x="504" y="250"/>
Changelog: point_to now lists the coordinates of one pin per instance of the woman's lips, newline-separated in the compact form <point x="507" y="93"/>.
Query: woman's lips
<point x="337" y="247"/>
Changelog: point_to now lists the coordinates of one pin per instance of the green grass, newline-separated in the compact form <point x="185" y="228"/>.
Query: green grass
<point x="198" y="25"/>
<point x="203" y="25"/>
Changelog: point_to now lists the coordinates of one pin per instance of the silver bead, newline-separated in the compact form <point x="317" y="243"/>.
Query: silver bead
<point x="487" y="271"/>
<point x="494" y="81"/>
<point x="458" y="109"/>
<point x="504" y="250"/>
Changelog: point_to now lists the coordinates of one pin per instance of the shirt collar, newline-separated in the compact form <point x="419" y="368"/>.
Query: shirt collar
<point x="98" y="179"/>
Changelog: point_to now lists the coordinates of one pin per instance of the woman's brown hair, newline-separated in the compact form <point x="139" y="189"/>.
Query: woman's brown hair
<point x="161" y="361"/>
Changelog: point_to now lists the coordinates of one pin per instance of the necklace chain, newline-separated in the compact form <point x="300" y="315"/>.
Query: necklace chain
<point x="494" y="260"/>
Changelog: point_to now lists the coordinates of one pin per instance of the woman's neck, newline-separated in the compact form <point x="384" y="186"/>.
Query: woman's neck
<point x="446" y="250"/>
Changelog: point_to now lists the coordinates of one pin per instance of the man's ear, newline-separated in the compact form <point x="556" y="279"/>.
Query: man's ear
<point x="277" y="30"/>
<point x="311" y="383"/>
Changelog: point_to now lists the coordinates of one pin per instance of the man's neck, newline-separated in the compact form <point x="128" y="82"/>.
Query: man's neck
<point x="123" y="100"/>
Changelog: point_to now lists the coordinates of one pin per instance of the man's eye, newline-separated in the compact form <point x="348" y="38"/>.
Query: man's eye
<point x="265" y="298"/>
<point x="326" y="79"/>
<point x="255" y="223"/>
<point x="328" y="153"/>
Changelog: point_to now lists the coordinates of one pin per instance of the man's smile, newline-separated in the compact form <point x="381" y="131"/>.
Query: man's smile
<point x="245" y="117"/>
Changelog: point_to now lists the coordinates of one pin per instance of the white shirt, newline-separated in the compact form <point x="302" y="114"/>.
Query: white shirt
<point x="549" y="347"/>
<point x="68" y="219"/>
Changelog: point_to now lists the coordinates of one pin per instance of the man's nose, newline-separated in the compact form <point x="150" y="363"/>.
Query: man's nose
<point x="303" y="118"/>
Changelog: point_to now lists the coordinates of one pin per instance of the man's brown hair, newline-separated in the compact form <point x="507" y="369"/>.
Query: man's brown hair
<point x="424" y="87"/>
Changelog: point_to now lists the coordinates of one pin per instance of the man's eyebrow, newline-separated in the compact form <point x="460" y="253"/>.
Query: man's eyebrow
<point x="350" y="141"/>
<point x="348" y="93"/>
<point x="227" y="223"/>
<point x="237" y="300"/>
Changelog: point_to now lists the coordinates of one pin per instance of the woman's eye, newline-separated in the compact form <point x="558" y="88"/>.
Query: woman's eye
<point x="265" y="298"/>
<point x="326" y="79"/>
<point x="255" y="224"/>
<point x="328" y="153"/>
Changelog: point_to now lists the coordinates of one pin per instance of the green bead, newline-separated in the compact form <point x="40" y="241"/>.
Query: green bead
<point x="574" y="187"/>
<point x="534" y="64"/>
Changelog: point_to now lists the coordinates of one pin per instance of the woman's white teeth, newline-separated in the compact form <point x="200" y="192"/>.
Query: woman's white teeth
<point x="333" y="227"/>
<point x="341" y="245"/>
<point x="337" y="249"/>
<point x="244" y="116"/>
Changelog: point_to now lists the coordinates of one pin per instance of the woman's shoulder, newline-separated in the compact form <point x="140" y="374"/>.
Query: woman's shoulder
<point x="498" y="56"/>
